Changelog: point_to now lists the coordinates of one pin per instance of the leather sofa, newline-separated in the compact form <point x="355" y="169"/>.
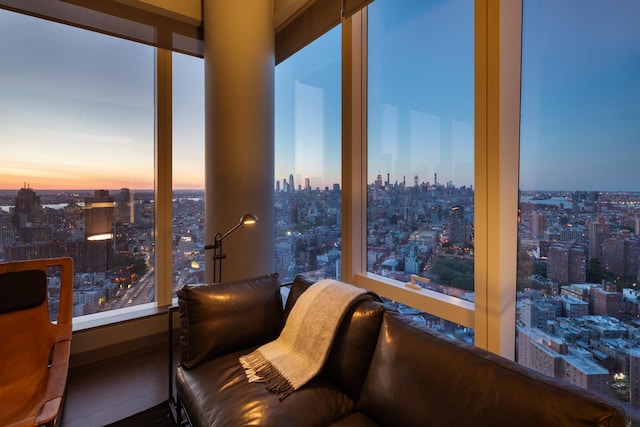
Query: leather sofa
<point x="383" y="370"/>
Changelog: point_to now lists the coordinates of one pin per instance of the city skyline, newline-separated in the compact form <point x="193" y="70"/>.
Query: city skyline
<point x="579" y="112"/>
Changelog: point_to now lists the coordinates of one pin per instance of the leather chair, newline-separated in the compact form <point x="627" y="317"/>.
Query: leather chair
<point x="34" y="351"/>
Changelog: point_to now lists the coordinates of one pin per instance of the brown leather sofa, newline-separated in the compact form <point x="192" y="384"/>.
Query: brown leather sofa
<point x="383" y="370"/>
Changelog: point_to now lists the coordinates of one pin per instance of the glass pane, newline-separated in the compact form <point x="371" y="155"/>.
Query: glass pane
<point x="578" y="233"/>
<point x="307" y="161"/>
<point x="188" y="170"/>
<point x="420" y="143"/>
<point x="77" y="132"/>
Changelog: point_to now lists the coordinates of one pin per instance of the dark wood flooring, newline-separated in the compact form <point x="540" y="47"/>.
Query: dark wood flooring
<point x="158" y="416"/>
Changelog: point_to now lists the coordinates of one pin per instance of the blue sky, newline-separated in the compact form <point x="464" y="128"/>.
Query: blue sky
<point x="581" y="95"/>
<point x="421" y="61"/>
<point x="69" y="95"/>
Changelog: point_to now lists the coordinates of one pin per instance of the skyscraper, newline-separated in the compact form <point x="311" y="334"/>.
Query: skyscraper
<point x="538" y="224"/>
<point x="28" y="208"/>
<point x="124" y="207"/>
<point x="98" y="231"/>
<point x="598" y="231"/>
<point x="457" y="231"/>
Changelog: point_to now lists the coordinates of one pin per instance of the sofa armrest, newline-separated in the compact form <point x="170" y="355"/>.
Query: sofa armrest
<point x="217" y="319"/>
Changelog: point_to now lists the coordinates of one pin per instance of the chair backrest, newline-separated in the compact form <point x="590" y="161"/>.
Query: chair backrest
<point x="28" y="337"/>
<point x="21" y="290"/>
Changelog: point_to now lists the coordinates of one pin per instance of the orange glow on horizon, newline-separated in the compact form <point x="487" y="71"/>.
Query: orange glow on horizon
<point x="90" y="184"/>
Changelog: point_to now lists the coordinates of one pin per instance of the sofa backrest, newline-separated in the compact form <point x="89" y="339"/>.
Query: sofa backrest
<point x="220" y="318"/>
<point x="418" y="377"/>
<point x="354" y="343"/>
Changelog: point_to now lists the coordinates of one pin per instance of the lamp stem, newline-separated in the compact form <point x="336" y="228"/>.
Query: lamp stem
<point x="218" y="256"/>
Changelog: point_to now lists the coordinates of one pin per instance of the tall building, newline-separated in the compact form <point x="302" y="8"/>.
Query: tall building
<point x="98" y="230"/>
<point x="457" y="230"/>
<point x="378" y="183"/>
<point x="598" y="231"/>
<point x="125" y="207"/>
<point x="27" y="208"/>
<point x="98" y="213"/>
<point x="620" y="254"/>
<point x="613" y="255"/>
<point x="538" y="224"/>
<point x="567" y="263"/>
<point x="7" y="234"/>
<point x="291" y="186"/>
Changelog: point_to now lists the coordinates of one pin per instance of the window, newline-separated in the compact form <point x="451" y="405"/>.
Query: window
<point x="578" y="234"/>
<point x="420" y="207"/>
<point x="307" y="161"/>
<point x="188" y="170"/>
<point x="77" y="130"/>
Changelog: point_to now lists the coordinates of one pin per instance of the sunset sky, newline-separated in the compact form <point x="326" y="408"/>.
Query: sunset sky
<point x="77" y="109"/>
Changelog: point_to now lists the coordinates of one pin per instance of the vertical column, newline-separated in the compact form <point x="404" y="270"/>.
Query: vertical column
<point x="163" y="178"/>
<point x="239" y="149"/>
<point x="497" y="131"/>
<point x="354" y="146"/>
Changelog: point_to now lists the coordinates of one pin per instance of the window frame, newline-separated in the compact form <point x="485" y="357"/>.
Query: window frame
<point x="498" y="29"/>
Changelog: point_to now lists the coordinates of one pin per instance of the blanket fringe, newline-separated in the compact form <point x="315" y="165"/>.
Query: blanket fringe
<point x="258" y="369"/>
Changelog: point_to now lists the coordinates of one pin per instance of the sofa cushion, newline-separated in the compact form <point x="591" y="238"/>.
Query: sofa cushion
<point x="217" y="393"/>
<point x="220" y="318"/>
<point x="419" y="377"/>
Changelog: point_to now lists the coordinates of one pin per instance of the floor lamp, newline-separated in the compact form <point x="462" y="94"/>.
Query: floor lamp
<point x="218" y="255"/>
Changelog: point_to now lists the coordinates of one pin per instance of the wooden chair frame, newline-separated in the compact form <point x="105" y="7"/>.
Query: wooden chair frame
<point x="46" y="385"/>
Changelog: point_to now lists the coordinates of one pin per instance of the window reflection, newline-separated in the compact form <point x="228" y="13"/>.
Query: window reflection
<point x="307" y="161"/>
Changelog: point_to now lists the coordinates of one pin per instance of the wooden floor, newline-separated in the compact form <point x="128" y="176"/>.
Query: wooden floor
<point x="108" y="391"/>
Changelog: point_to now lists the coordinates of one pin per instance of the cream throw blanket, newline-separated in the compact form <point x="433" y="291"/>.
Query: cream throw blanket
<point x="299" y="353"/>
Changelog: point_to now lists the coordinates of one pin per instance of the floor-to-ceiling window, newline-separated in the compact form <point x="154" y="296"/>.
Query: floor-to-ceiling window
<point x="420" y="177"/>
<point x="578" y="244"/>
<point x="77" y="142"/>
<point x="308" y="161"/>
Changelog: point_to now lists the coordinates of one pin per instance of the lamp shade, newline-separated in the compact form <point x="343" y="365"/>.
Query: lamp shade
<point x="248" y="219"/>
